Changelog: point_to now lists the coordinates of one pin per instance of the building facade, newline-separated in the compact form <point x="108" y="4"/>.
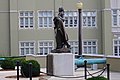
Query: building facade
<point x="27" y="26"/>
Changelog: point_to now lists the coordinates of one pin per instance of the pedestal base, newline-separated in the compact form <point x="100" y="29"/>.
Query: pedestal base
<point x="60" y="64"/>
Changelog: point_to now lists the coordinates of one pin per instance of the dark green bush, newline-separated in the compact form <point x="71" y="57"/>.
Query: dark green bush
<point x="1" y="60"/>
<point x="8" y="64"/>
<point x="97" y="78"/>
<point x="18" y="59"/>
<point x="14" y="59"/>
<point x="25" y="68"/>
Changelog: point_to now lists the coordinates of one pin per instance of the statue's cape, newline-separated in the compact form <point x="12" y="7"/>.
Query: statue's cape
<point x="59" y="25"/>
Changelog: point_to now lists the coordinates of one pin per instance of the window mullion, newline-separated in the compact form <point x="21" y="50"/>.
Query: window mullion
<point x="95" y="20"/>
<point x="29" y="22"/>
<point x="47" y="49"/>
<point x="68" y="21"/>
<point x="25" y="51"/>
<point x="117" y="20"/>
<point x="73" y="21"/>
<point x="43" y="21"/>
<point x="117" y="48"/>
<point x="87" y="49"/>
<point x="74" y="49"/>
<point x="43" y="50"/>
<point x="91" y="21"/>
<point x="29" y="50"/>
<point x="24" y="22"/>
<point x="92" y="49"/>
<point x="47" y="22"/>
<point x="86" y="21"/>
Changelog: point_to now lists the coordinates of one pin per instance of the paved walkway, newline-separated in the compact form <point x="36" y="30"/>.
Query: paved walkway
<point x="79" y="72"/>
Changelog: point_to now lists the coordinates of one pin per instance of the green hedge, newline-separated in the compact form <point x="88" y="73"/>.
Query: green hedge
<point x="8" y="64"/>
<point x="97" y="78"/>
<point x="25" y="68"/>
<point x="20" y="60"/>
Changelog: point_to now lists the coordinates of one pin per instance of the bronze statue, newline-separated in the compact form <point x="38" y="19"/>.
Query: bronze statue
<point x="60" y="34"/>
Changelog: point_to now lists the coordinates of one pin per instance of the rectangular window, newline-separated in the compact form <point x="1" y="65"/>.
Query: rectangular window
<point x="84" y="21"/>
<point x="93" y="21"/>
<point x="71" y="18"/>
<point x="44" y="47"/>
<point x="66" y="21"/>
<point x="74" y="47"/>
<point x="26" y="20"/>
<point x="26" y="47"/>
<point x="116" y="17"/>
<point x="89" y="18"/>
<point x="90" y="47"/>
<point x="116" y="47"/>
<point x="45" y="19"/>
<point x="115" y="20"/>
<point x="89" y="21"/>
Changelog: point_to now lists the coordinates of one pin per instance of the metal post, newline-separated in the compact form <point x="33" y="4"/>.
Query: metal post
<point x="85" y="64"/>
<point x="80" y="34"/>
<point x="108" y="71"/>
<point x="30" y="71"/>
<point x="17" y="70"/>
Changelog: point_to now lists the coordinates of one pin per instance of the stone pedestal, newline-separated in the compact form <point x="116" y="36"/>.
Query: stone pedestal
<point x="60" y="64"/>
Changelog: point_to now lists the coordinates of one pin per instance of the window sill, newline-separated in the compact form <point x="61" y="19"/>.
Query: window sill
<point x="97" y="55"/>
<point x="112" y="56"/>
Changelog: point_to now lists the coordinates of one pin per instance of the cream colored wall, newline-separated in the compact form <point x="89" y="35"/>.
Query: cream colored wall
<point x="28" y="35"/>
<point x="48" y="34"/>
<point x="45" y="34"/>
<point x="107" y="35"/>
<point x="114" y="63"/>
<point x="4" y="28"/>
<point x="40" y="59"/>
<point x="14" y="33"/>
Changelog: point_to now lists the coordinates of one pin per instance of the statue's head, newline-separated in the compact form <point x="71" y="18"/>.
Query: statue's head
<point x="61" y="12"/>
<point x="61" y="9"/>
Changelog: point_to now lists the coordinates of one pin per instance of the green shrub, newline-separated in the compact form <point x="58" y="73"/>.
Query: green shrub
<point x="97" y="78"/>
<point x="14" y="59"/>
<point x="18" y="59"/>
<point x="8" y="64"/>
<point x="1" y="60"/>
<point x="25" y="68"/>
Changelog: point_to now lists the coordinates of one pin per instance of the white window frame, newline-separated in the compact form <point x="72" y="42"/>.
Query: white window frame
<point x="26" y="17"/>
<point x="90" y="18"/>
<point x="118" y="47"/>
<point x="73" y="46"/>
<point x="26" y="47"/>
<point x="118" y="18"/>
<point x="90" y="40"/>
<point x="44" y="46"/>
<point x="69" y="16"/>
<point x="43" y="20"/>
